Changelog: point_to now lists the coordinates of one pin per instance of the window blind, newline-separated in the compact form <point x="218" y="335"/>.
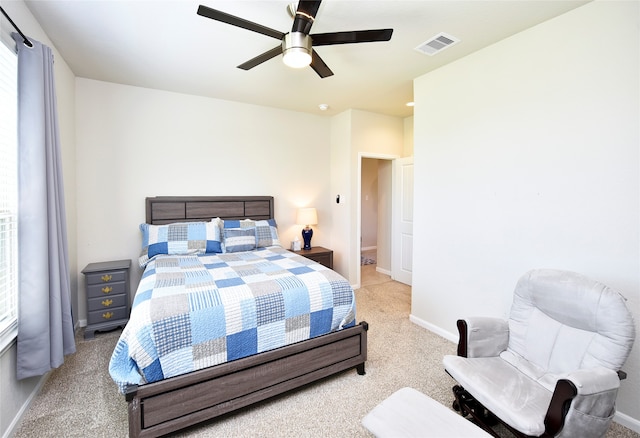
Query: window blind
<point x="8" y="195"/>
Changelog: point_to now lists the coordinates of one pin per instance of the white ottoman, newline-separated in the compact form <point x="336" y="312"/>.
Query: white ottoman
<point x="409" y="413"/>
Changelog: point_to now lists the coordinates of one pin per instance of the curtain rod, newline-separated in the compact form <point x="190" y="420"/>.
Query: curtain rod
<point x="25" y="39"/>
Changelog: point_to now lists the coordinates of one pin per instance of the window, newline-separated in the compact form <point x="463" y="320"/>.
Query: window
<point x="8" y="195"/>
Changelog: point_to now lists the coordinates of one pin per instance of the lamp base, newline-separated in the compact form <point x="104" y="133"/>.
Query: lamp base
<point x="307" y="233"/>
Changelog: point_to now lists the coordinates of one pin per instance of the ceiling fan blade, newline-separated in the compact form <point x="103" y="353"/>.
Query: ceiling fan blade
<point x="305" y="14"/>
<point x="356" y="36"/>
<point x="261" y="58"/>
<point x="239" y="22"/>
<point x="318" y="65"/>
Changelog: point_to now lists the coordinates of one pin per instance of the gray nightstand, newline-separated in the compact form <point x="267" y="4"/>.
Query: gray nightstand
<point x="108" y="303"/>
<point x="318" y="254"/>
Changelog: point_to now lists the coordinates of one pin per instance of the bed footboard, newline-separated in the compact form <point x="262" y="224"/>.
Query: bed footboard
<point x="162" y="407"/>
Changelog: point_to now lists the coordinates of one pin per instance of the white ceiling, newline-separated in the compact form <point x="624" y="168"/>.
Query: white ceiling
<point x="166" y="45"/>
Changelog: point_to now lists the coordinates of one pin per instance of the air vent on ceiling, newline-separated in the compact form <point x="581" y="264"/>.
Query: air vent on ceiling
<point x="437" y="44"/>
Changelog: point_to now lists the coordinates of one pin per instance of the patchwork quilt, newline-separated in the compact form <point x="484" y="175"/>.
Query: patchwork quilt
<point x="194" y="311"/>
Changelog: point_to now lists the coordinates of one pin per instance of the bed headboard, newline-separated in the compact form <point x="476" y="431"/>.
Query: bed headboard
<point x="167" y="209"/>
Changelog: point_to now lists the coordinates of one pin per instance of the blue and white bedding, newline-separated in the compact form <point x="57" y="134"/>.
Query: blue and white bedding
<point x="197" y="310"/>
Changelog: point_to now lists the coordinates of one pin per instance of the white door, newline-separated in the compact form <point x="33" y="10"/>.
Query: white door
<point x="402" y="221"/>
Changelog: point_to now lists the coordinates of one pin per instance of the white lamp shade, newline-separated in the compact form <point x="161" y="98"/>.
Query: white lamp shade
<point x="307" y="216"/>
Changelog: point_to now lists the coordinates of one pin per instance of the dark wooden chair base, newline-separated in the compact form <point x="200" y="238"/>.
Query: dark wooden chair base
<point x="466" y="405"/>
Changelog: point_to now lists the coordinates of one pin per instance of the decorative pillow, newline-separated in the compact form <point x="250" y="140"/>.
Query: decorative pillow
<point x="239" y="239"/>
<point x="180" y="238"/>
<point x="267" y="233"/>
<point x="235" y="223"/>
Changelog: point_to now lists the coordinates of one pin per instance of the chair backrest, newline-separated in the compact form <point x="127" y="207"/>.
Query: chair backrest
<point x="562" y="321"/>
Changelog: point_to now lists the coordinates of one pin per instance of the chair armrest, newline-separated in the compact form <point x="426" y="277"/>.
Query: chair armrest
<point x="482" y="336"/>
<point x="594" y="380"/>
<point x="584" y="383"/>
<point x="563" y="393"/>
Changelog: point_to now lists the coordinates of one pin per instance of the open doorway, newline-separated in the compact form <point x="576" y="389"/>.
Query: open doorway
<point x="375" y="189"/>
<point x="369" y="212"/>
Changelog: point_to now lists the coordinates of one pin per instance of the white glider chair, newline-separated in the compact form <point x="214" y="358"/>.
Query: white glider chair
<point x="554" y="367"/>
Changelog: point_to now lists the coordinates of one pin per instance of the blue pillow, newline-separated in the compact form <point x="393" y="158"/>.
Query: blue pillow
<point x="266" y="230"/>
<point x="239" y="239"/>
<point x="267" y="233"/>
<point x="180" y="238"/>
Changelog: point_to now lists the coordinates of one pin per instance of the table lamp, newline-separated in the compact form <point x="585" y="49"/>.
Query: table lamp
<point x="307" y="216"/>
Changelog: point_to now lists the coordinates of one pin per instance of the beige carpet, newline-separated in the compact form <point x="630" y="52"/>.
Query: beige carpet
<point x="80" y="399"/>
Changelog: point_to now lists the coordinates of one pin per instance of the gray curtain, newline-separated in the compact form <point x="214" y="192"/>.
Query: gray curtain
<point x="45" y="324"/>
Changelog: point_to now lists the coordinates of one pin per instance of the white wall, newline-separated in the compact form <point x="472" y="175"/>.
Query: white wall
<point x="407" y="148"/>
<point x="339" y="177"/>
<point x="136" y="142"/>
<point x="527" y="156"/>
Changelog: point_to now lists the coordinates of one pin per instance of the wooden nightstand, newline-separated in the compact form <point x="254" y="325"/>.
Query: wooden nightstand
<point x="108" y="303"/>
<point x="318" y="254"/>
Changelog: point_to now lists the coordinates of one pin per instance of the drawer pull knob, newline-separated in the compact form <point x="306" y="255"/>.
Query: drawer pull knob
<point x="107" y="315"/>
<point x="107" y="289"/>
<point x="107" y="303"/>
<point x="106" y="278"/>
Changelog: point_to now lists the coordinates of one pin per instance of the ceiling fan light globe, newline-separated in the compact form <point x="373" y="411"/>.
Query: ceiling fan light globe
<point x="296" y="57"/>
<point x="296" y="50"/>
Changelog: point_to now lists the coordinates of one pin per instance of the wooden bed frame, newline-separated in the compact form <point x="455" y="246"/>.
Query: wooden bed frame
<point x="169" y="405"/>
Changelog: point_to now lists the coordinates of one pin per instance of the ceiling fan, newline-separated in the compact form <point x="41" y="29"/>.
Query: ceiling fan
<point x="297" y="45"/>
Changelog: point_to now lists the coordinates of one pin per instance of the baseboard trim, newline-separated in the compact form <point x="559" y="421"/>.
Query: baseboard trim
<point x="13" y="426"/>
<point x="627" y="421"/>
<point x="383" y="271"/>
<point x="619" y="417"/>
<point x="434" y="328"/>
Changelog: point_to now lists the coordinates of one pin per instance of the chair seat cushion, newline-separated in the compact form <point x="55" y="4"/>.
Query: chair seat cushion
<point x="515" y="398"/>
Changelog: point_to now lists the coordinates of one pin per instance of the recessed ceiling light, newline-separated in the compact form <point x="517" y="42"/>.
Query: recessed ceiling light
<point x="323" y="107"/>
